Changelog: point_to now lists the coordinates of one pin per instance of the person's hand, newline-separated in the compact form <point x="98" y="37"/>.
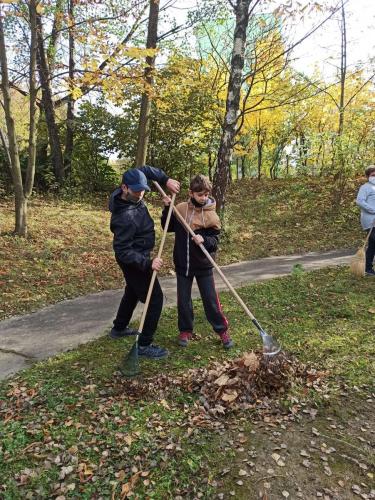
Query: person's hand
<point x="198" y="239"/>
<point x="157" y="264"/>
<point x="173" y="186"/>
<point x="167" y="201"/>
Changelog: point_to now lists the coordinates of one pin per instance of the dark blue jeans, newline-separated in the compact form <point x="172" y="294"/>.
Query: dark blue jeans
<point x="137" y="283"/>
<point x="370" y="252"/>
<point x="210" y="299"/>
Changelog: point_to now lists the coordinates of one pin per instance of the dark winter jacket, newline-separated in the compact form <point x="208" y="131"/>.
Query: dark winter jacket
<point x="188" y="258"/>
<point x="132" y="226"/>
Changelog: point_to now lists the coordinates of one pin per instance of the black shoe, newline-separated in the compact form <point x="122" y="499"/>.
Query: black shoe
<point x="152" y="351"/>
<point x="119" y="334"/>
<point x="370" y="272"/>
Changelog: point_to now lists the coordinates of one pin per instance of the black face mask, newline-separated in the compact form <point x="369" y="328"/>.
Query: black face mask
<point x="196" y="204"/>
<point x="130" y="197"/>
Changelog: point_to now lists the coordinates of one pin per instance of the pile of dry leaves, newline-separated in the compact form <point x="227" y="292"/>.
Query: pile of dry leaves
<point x="244" y="381"/>
<point x="241" y="383"/>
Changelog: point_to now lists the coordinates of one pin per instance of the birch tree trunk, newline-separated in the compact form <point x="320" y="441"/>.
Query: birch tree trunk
<point x="222" y="174"/>
<point x="144" y="116"/>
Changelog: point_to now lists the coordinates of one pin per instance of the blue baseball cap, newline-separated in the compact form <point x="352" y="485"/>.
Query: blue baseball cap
<point x="135" y="180"/>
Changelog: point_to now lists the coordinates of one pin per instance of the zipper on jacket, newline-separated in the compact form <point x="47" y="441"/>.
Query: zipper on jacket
<point x="188" y="244"/>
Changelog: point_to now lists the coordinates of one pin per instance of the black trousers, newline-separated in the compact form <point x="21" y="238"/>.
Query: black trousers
<point x="137" y="283"/>
<point x="370" y="252"/>
<point x="210" y="299"/>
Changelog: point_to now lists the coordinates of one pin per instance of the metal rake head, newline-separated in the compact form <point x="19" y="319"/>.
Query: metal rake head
<point x="271" y="346"/>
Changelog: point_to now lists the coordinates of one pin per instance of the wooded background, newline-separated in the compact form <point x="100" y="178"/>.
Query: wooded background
<point x="89" y="89"/>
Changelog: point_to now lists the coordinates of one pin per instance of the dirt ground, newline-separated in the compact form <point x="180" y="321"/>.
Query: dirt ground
<point x="326" y="453"/>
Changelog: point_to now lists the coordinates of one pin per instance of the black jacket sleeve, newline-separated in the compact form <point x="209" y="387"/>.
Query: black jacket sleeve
<point x="123" y="247"/>
<point x="211" y="238"/>
<point x="154" y="174"/>
<point x="172" y="221"/>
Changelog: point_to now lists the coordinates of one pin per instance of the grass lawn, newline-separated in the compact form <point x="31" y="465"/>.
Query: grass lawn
<point x="69" y="250"/>
<point x="72" y="427"/>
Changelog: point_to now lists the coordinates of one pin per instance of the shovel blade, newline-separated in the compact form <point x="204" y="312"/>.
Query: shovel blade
<point x="129" y="366"/>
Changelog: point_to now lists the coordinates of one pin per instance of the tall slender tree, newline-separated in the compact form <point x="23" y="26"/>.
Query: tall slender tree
<point x="243" y="10"/>
<point x="22" y="190"/>
<point x="145" y="111"/>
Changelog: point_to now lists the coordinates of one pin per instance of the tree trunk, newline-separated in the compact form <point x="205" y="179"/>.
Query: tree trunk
<point x="145" y="111"/>
<point x="222" y="174"/>
<point x="53" y="133"/>
<point x="69" y="137"/>
<point x="13" y="154"/>
<point x="343" y="69"/>
<point x="340" y="176"/>
<point x="30" y="173"/>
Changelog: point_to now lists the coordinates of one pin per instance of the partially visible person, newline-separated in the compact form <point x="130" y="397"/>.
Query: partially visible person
<point x="133" y="240"/>
<point x="366" y="200"/>
<point x="190" y="262"/>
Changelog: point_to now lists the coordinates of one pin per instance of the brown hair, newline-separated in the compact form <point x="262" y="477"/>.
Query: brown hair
<point x="200" y="183"/>
<point x="369" y="170"/>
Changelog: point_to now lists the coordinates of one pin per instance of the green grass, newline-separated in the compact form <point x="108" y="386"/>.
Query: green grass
<point x="82" y="415"/>
<point x="69" y="249"/>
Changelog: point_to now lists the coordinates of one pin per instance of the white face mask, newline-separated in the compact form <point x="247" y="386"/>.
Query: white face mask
<point x="372" y="179"/>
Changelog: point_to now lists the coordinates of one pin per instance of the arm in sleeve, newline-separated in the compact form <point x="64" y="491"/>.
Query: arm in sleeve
<point x="154" y="174"/>
<point x="211" y="239"/>
<point x="362" y="200"/>
<point x="172" y="221"/>
<point x="123" y="246"/>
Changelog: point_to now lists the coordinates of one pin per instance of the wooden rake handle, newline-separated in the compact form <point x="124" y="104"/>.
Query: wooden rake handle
<point x="368" y="236"/>
<point x="153" y="277"/>
<point x="206" y="253"/>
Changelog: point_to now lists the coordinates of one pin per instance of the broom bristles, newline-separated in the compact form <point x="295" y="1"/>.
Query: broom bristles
<point x="358" y="263"/>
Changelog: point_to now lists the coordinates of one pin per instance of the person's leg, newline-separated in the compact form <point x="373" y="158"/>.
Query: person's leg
<point x="153" y="312"/>
<point x="370" y="252"/>
<point x="126" y="308"/>
<point x="212" y="308"/>
<point x="185" y="304"/>
<point x="139" y="282"/>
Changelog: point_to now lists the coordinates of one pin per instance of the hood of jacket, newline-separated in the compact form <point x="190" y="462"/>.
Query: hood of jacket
<point x="200" y="217"/>
<point x="117" y="204"/>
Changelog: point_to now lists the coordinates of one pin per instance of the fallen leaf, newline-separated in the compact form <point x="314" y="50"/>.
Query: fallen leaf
<point x="222" y="380"/>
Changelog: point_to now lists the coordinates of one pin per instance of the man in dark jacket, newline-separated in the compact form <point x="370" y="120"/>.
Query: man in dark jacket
<point x="133" y="239"/>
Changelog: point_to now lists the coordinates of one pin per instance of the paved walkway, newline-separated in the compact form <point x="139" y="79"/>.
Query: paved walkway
<point x="65" y="325"/>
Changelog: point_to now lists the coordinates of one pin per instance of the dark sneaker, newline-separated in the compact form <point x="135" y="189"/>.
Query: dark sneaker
<point x="119" y="334"/>
<point x="152" y="352"/>
<point x="371" y="272"/>
<point x="226" y="340"/>
<point x="183" y="338"/>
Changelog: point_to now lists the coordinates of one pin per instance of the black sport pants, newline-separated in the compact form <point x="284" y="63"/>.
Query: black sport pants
<point x="137" y="283"/>
<point x="370" y="252"/>
<point x="210" y="299"/>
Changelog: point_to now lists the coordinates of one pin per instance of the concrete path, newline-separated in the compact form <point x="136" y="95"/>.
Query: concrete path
<point x="65" y="325"/>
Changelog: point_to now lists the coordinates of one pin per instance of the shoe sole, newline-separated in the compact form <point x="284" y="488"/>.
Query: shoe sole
<point x="116" y="337"/>
<point x="152" y="357"/>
